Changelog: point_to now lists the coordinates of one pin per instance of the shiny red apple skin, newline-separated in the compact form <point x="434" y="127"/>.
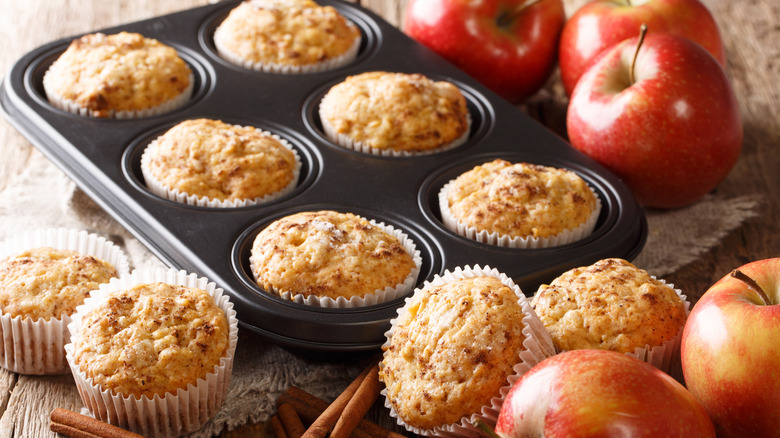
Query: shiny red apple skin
<point x="600" y="393"/>
<point x="674" y="134"/>
<point x="601" y="24"/>
<point x="731" y="353"/>
<point x="514" y="61"/>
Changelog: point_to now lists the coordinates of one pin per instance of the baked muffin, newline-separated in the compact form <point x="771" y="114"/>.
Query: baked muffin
<point x="48" y="283"/>
<point x="613" y="305"/>
<point x="395" y="114"/>
<point x="454" y="350"/>
<point x="211" y="163"/>
<point x="519" y="205"/>
<point x="118" y="76"/>
<point x="287" y="36"/>
<point x="44" y="276"/>
<point x="329" y="259"/>
<point x="153" y="352"/>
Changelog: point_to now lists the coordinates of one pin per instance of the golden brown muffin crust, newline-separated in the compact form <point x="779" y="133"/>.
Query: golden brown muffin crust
<point x="452" y="349"/>
<point x="396" y="111"/>
<point x="287" y="32"/>
<point x="120" y="72"/>
<point x="610" y="305"/>
<point x="221" y="161"/>
<point x="521" y="199"/>
<point x="151" y="339"/>
<point x="328" y="254"/>
<point x="48" y="283"/>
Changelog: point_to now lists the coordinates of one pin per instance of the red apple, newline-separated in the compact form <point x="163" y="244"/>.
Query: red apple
<point x="602" y="23"/>
<point x="600" y="393"/>
<point x="672" y="132"/>
<point x="731" y="354"/>
<point x="510" y="46"/>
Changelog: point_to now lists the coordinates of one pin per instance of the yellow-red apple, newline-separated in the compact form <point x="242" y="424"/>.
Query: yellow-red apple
<point x="600" y="393"/>
<point x="510" y="46"/>
<point x="600" y="24"/>
<point x="731" y="351"/>
<point x="667" y="124"/>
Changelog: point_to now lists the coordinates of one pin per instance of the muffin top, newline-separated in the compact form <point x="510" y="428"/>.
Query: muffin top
<point x="610" y="305"/>
<point x="151" y="339"/>
<point x="452" y="349"/>
<point x="121" y="72"/>
<point x="211" y="158"/>
<point x="286" y="32"/>
<point x="328" y="254"/>
<point x="396" y="111"/>
<point x="521" y="199"/>
<point x="48" y="283"/>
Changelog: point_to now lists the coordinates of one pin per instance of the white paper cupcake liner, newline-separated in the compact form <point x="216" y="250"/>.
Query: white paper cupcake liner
<point x="345" y="141"/>
<point x="497" y="239"/>
<point x="271" y="67"/>
<point x="664" y="356"/>
<point x="175" y="414"/>
<point x="538" y="346"/>
<point x="37" y="347"/>
<point x="389" y="293"/>
<point x="176" y="195"/>
<point x="71" y="106"/>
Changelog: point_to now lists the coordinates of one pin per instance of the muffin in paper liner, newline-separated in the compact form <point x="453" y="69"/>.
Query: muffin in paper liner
<point x="667" y="354"/>
<point x="389" y="293"/>
<point x="120" y="75"/>
<point x="537" y="347"/>
<point x="395" y="114"/>
<point x="287" y="37"/>
<point x="160" y="189"/>
<point x="73" y="107"/>
<point x="175" y="414"/>
<point x="37" y="346"/>
<point x="505" y="240"/>
<point x="347" y="142"/>
<point x="277" y="68"/>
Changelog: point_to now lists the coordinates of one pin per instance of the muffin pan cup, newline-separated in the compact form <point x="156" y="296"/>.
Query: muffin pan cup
<point x="103" y="158"/>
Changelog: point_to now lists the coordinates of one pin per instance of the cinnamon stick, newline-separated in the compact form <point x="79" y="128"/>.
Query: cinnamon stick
<point x="291" y="421"/>
<point x="358" y="405"/>
<point x="277" y="427"/>
<point x="75" y="425"/>
<point x="324" y="423"/>
<point x="309" y="407"/>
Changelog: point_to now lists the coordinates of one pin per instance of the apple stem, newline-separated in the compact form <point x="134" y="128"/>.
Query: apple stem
<point x="642" y="33"/>
<point x="484" y="428"/>
<point x="741" y="276"/>
<point x="505" y="19"/>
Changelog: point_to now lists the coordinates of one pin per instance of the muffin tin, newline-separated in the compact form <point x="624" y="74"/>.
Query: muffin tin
<point x="103" y="158"/>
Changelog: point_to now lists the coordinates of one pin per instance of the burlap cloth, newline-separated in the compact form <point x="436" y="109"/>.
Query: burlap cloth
<point x="42" y="196"/>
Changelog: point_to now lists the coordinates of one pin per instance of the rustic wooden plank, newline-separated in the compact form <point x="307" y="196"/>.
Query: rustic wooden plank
<point x="32" y="400"/>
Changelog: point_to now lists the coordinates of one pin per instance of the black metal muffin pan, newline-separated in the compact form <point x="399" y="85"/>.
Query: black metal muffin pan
<point x="103" y="158"/>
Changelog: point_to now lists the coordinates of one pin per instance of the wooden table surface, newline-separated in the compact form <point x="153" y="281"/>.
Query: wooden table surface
<point x="751" y="33"/>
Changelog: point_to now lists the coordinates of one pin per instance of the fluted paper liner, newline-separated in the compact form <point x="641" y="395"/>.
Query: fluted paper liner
<point x="347" y="142"/>
<point x="505" y="240"/>
<point x="176" y="195"/>
<point x="272" y="67"/>
<point x="378" y="296"/>
<point x="175" y="414"/>
<point x="538" y="346"/>
<point x="71" y="106"/>
<point x="37" y="346"/>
